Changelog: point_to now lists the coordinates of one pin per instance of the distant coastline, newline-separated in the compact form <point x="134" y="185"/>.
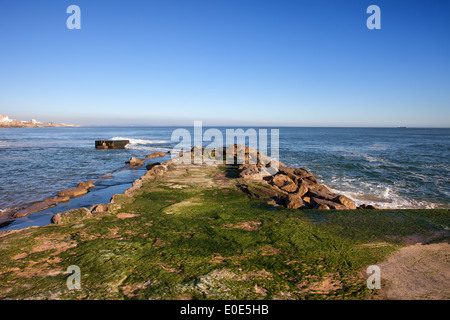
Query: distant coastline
<point x="6" y="122"/>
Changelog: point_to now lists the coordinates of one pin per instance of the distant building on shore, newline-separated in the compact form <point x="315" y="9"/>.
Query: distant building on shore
<point x="5" y="119"/>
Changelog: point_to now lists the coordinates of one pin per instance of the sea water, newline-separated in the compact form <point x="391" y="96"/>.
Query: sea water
<point x="387" y="167"/>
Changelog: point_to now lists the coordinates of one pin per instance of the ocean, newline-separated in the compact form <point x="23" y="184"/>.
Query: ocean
<point x="386" y="167"/>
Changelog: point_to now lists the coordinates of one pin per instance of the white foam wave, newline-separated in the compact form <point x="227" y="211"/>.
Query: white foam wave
<point x="134" y="141"/>
<point x="380" y="196"/>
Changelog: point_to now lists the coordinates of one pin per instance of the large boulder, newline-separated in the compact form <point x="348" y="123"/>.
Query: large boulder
<point x="293" y="201"/>
<point x="283" y="182"/>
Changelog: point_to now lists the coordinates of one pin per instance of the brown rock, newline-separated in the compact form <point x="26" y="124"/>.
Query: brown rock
<point x="320" y="188"/>
<point x="59" y="199"/>
<point x="156" y="170"/>
<point x="34" y="208"/>
<point x="307" y="200"/>
<point x="349" y="204"/>
<point x="332" y="205"/>
<point x="283" y="182"/>
<point x="86" y="185"/>
<point x="302" y="172"/>
<point x="99" y="208"/>
<point x="249" y="171"/>
<point x="302" y="190"/>
<point x="157" y="154"/>
<point x="73" y="193"/>
<point x="312" y="193"/>
<point x="293" y="201"/>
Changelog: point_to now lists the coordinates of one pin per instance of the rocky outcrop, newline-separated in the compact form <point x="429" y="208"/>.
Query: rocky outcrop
<point x="298" y="187"/>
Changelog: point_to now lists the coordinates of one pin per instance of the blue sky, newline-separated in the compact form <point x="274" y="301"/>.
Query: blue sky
<point x="226" y="62"/>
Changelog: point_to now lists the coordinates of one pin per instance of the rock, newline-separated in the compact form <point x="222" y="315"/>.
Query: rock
<point x="320" y="188"/>
<point x="305" y="175"/>
<point x="156" y="170"/>
<point x="283" y="182"/>
<point x="302" y="190"/>
<point x="290" y="187"/>
<point x="34" y="208"/>
<point x="290" y="173"/>
<point x="158" y="154"/>
<point x="349" y="204"/>
<point x="86" y="185"/>
<point x="73" y="193"/>
<point x="71" y="216"/>
<point x="307" y="200"/>
<point x="135" y="162"/>
<point x="62" y="199"/>
<point x="302" y="172"/>
<point x="316" y="202"/>
<point x="249" y="171"/>
<point x="322" y="207"/>
<point x="293" y="201"/>
<point x="321" y="195"/>
<point x="99" y="208"/>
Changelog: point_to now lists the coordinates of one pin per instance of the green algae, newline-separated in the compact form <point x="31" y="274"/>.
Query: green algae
<point x="208" y="240"/>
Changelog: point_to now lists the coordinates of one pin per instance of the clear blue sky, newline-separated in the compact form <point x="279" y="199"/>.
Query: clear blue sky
<point x="227" y="62"/>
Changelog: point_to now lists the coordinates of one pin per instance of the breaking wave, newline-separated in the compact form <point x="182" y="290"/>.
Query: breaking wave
<point x="134" y="141"/>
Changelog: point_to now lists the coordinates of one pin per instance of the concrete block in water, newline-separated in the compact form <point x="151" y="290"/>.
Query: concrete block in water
<point x="111" y="144"/>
